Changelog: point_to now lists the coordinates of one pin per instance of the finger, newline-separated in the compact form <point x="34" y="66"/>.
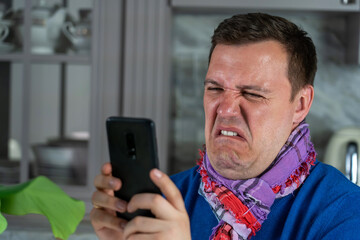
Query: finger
<point x="168" y="188"/>
<point x="156" y="203"/>
<point x="106" y="169"/>
<point x="107" y="182"/>
<point x="101" y="219"/>
<point x="143" y="225"/>
<point x="103" y="200"/>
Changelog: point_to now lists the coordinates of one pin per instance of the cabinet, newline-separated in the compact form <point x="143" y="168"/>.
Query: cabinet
<point x="349" y="8"/>
<point x="60" y="79"/>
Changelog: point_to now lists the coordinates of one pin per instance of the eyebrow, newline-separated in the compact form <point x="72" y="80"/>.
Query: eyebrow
<point x="210" y="81"/>
<point x="239" y="87"/>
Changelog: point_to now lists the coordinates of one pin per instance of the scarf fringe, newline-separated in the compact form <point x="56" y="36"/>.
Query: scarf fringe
<point x="295" y="177"/>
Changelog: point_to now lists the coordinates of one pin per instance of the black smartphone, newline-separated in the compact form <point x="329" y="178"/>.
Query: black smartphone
<point x="133" y="153"/>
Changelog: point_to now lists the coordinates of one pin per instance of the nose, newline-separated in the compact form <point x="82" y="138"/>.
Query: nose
<point x="229" y="105"/>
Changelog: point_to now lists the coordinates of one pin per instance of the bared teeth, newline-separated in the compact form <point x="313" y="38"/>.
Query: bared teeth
<point x="228" y="133"/>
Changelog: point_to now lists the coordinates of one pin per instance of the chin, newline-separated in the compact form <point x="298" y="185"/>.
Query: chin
<point x="229" y="164"/>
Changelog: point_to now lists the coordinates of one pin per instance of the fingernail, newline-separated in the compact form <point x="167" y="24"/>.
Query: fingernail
<point x="112" y="182"/>
<point x="157" y="173"/>
<point x="121" y="206"/>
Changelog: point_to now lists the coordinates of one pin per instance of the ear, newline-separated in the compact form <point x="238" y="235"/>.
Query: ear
<point x="303" y="101"/>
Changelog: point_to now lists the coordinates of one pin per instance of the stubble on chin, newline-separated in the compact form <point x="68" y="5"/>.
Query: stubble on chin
<point x="226" y="163"/>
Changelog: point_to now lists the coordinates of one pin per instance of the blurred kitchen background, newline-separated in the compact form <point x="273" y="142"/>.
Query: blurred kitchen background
<point x="66" y="65"/>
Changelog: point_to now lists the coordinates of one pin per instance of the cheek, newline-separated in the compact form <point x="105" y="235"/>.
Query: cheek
<point x="256" y="115"/>
<point x="272" y="122"/>
<point x="263" y="120"/>
<point x="275" y="114"/>
<point x="210" y="108"/>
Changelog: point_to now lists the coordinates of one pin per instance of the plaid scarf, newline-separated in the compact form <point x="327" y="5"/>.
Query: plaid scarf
<point x="241" y="206"/>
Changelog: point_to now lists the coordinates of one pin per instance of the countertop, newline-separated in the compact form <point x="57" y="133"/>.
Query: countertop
<point x="36" y="227"/>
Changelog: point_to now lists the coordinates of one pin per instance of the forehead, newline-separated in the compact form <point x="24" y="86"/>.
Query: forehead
<point x="262" y="63"/>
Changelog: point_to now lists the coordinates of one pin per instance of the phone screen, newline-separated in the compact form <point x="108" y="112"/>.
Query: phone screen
<point x="133" y="153"/>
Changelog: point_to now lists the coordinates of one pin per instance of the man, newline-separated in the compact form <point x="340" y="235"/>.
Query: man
<point x="257" y="177"/>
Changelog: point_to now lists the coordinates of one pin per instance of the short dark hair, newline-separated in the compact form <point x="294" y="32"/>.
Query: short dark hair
<point x="257" y="27"/>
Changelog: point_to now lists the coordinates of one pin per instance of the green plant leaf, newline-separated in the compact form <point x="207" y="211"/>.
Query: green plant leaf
<point x="42" y="196"/>
<point x="3" y="222"/>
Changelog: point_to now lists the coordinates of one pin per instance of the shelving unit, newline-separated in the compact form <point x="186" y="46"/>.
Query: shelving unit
<point x="101" y="80"/>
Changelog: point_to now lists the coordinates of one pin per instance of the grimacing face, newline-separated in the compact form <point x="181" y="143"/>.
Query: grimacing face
<point x="248" y="112"/>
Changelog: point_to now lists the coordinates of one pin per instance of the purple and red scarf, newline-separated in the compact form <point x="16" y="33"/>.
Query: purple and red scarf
<point x="241" y="206"/>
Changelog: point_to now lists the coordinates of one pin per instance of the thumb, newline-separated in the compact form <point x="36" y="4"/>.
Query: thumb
<point x="168" y="188"/>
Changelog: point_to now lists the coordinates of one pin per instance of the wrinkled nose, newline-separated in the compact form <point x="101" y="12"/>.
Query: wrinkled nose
<point x="229" y="105"/>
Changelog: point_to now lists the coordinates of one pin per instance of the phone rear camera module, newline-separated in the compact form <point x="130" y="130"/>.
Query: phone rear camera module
<point x="130" y="142"/>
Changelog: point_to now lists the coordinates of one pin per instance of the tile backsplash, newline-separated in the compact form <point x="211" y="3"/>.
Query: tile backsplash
<point x="336" y="104"/>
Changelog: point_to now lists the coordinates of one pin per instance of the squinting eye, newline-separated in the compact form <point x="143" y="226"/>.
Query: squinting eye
<point x="252" y="95"/>
<point x="214" y="89"/>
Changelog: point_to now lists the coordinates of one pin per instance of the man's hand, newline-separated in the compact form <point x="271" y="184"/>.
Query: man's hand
<point x="171" y="222"/>
<point x="103" y="216"/>
<point x="171" y="219"/>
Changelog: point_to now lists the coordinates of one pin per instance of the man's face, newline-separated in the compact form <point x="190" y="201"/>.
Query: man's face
<point x="248" y="112"/>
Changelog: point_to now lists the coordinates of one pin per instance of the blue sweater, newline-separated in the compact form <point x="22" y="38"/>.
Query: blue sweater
<point x="326" y="206"/>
